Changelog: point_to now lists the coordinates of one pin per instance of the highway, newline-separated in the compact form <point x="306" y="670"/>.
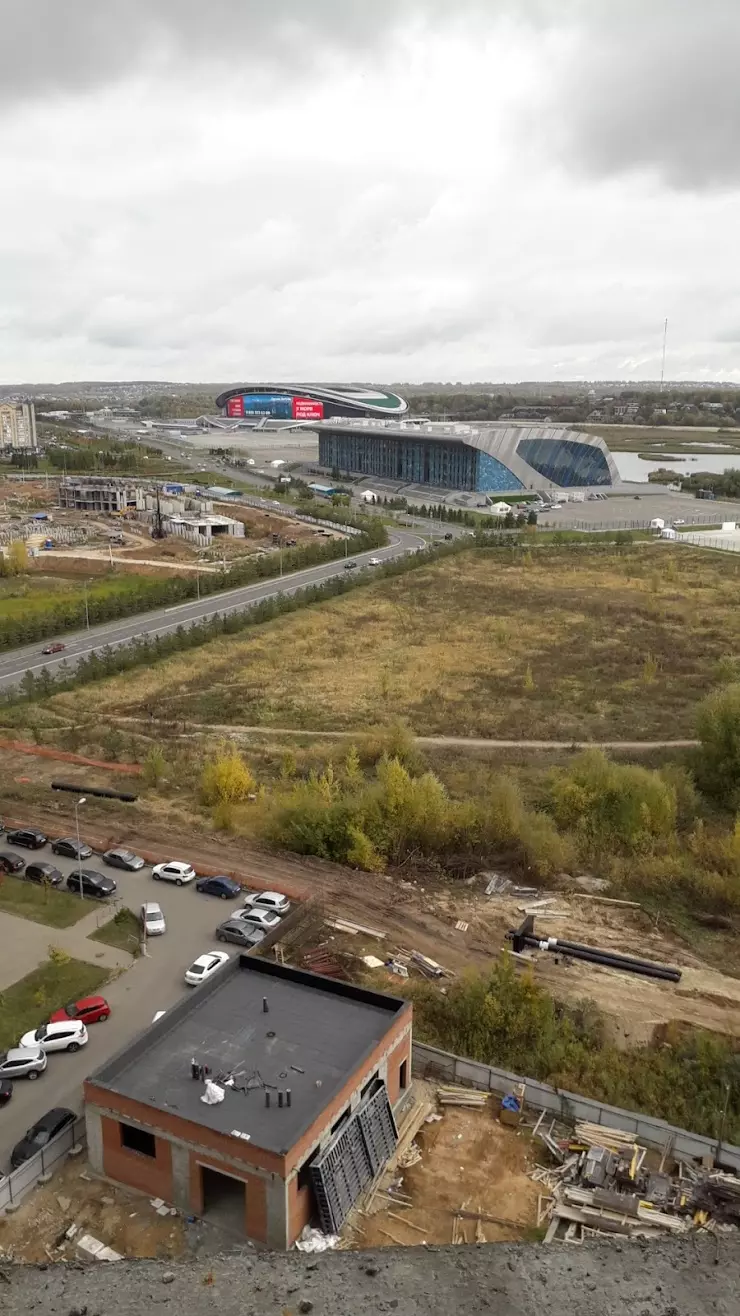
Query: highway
<point x="79" y="644"/>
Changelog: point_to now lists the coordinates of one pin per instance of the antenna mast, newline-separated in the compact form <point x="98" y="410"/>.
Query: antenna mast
<point x="662" y="369"/>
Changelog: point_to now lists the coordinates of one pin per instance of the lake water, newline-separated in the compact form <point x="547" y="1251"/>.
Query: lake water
<point x="631" y="466"/>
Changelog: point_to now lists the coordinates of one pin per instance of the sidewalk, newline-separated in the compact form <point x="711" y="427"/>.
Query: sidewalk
<point x="26" y="945"/>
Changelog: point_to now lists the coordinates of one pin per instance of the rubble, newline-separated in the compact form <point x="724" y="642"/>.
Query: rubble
<point x="605" y="1184"/>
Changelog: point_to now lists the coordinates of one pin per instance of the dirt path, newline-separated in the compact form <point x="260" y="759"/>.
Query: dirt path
<point x="464" y="742"/>
<point x="422" y="915"/>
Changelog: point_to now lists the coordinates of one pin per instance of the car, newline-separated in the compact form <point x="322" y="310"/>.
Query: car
<point x="679" y="521"/>
<point x="273" y="900"/>
<point x="22" y="1062"/>
<point x="175" y="870"/>
<point x="43" y="872"/>
<point x="67" y="845"/>
<point x="29" y="837"/>
<point x="125" y="859"/>
<point x="11" y="863"/>
<point x="350" y="566"/>
<point x="68" y="1035"/>
<point x="152" y="919"/>
<point x="89" y="1010"/>
<point x="374" y="562"/>
<point x="6" y="1091"/>
<point x="240" y="933"/>
<point x="262" y="918"/>
<point x="97" y="885"/>
<point x="224" y="887"/>
<point x="205" y="966"/>
<point x="41" y="1133"/>
<point x="448" y="535"/>
<point x="57" y="647"/>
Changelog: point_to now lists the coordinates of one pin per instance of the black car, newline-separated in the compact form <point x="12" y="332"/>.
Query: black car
<point x="241" y="933"/>
<point x="350" y="566"/>
<point x="126" y="859"/>
<point x="67" y="845"/>
<point x="93" y="884"/>
<point x="29" y="837"/>
<point x="41" y="1133"/>
<point x="11" y="863"/>
<point x="6" y="1091"/>
<point x="225" y="887"/>
<point x="43" y="872"/>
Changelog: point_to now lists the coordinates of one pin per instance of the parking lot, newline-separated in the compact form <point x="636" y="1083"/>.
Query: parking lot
<point x="154" y="982"/>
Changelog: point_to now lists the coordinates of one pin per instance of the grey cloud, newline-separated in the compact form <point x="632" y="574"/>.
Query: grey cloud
<point x="88" y="43"/>
<point x="653" y="85"/>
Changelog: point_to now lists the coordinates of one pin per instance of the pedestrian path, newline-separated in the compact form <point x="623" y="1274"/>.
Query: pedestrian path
<point x="26" y="945"/>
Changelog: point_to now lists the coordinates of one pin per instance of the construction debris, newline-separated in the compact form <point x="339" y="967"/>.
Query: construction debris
<point x="343" y="925"/>
<point x="604" y="1185"/>
<point x="461" y="925"/>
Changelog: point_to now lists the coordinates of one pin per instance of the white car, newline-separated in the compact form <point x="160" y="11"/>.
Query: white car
<point x="261" y="918"/>
<point x="205" y="965"/>
<point x="152" y="919"/>
<point x="374" y="562"/>
<point x="67" y="1036"/>
<point x="274" y="900"/>
<point x="174" y="871"/>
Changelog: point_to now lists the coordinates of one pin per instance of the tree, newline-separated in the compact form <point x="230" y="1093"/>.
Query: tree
<point x="154" y="766"/>
<point x="17" y="557"/>
<point x="718" y="757"/>
<point x="226" y="778"/>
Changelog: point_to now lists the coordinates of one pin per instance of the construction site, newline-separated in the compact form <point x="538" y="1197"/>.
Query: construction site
<point x="92" y="525"/>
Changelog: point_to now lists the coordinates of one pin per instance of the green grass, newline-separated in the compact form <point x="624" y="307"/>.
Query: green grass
<point x="57" y="909"/>
<point x="21" y="597"/>
<point x="123" y="932"/>
<point x="621" y="644"/>
<point x="29" y="1002"/>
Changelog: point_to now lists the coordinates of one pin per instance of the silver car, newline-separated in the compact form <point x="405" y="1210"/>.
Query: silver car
<point x="152" y="919"/>
<point x="22" y="1062"/>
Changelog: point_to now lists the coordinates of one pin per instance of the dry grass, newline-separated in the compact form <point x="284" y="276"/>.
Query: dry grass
<point x="569" y="645"/>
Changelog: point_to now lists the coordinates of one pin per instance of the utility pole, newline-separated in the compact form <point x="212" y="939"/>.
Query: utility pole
<point x="87" y="609"/>
<point x="77" y="829"/>
<point x="665" y="339"/>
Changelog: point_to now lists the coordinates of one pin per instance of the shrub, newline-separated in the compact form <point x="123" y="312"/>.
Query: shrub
<point x="718" y="757"/>
<point x="226" y="778"/>
<point x="609" y="805"/>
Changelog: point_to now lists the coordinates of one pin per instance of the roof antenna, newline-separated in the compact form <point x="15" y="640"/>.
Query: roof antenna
<point x="265" y="1006"/>
<point x="665" y="339"/>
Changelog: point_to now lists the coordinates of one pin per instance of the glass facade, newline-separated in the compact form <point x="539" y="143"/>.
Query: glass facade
<point x="413" y="460"/>
<point x="494" y="477"/>
<point x="567" y="463"/>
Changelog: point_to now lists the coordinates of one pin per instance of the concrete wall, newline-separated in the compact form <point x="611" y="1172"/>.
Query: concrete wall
<point x="651" y="1132"/>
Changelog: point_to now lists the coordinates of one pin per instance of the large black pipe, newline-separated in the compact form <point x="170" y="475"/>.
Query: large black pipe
<point x="525" y="936"/>
<point x="93" y="790"/>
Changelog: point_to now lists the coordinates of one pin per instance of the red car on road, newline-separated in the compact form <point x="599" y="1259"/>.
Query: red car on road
<point x="89" y="1010"/>
<point x="54" y="648"/>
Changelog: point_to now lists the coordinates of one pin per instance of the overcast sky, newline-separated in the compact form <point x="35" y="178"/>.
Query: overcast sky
<point x="376" y="190"/>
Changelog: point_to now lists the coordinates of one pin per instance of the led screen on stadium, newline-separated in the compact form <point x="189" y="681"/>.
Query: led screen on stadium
<point x="279" y="406"/>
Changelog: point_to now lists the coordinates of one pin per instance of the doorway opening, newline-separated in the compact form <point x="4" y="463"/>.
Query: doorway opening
<point x="224" y="1200"/>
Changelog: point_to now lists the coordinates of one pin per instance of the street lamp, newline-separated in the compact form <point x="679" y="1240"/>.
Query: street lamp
<point x="79" y="856"/>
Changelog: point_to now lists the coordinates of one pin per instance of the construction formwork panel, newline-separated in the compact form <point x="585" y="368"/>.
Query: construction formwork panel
<point x="352" y="1160"/>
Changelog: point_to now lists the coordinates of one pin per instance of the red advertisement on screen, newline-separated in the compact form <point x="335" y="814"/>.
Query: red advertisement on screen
<point x="235" y="407"/>
<point x="306" y="409"/>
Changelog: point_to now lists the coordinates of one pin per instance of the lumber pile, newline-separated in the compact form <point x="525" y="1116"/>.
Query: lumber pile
<point x="473" y="1098"/>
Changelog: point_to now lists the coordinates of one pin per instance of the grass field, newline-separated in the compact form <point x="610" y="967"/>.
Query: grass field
<point x="29" y="1002"/>
<point x="123" y="931"/>
<point x="23" y="596"/>
<point x="571" y="643"/>
<point x="57" y="909"/>
<point x="659" y="439"/>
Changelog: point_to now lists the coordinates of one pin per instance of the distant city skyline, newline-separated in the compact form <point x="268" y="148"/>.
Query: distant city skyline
<point x="511" y="190"/>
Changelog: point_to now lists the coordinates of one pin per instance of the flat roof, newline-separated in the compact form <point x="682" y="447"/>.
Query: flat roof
<point x="316" y="1032"/>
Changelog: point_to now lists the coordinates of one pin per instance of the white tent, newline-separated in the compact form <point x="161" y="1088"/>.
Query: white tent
<point x="499" y="509"/>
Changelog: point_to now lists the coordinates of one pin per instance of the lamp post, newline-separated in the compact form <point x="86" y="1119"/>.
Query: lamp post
<point x="77" y="827"/>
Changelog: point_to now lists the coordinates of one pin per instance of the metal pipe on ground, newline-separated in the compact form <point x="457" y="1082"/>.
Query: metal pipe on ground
<point x="524" y="936"/>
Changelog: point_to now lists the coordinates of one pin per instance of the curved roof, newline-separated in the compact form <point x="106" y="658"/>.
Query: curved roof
<point x="358" y="401"/>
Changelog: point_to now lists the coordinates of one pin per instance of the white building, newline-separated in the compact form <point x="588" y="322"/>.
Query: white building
<point x="18" y="427"/>
<point x="202" y="530"/>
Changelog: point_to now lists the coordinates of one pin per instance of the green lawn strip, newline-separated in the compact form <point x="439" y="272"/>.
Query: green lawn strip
<point x="29" y="1002"/>
<point x="123" y="932"/>
<point x="57" y="909"/>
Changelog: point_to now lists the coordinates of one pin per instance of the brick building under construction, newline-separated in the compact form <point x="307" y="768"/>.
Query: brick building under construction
<point x="310" y="1070"/>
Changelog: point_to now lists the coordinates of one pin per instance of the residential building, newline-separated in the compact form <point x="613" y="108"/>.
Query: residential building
<point x="18" y="427"/>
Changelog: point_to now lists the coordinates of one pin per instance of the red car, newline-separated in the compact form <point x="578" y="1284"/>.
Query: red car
<point x="54" y="648"/>
<point x="90" y="1010"/>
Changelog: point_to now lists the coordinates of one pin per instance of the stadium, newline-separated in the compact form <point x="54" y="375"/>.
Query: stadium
<point x="305" y="402"/>
<point x="492" y="459"/>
